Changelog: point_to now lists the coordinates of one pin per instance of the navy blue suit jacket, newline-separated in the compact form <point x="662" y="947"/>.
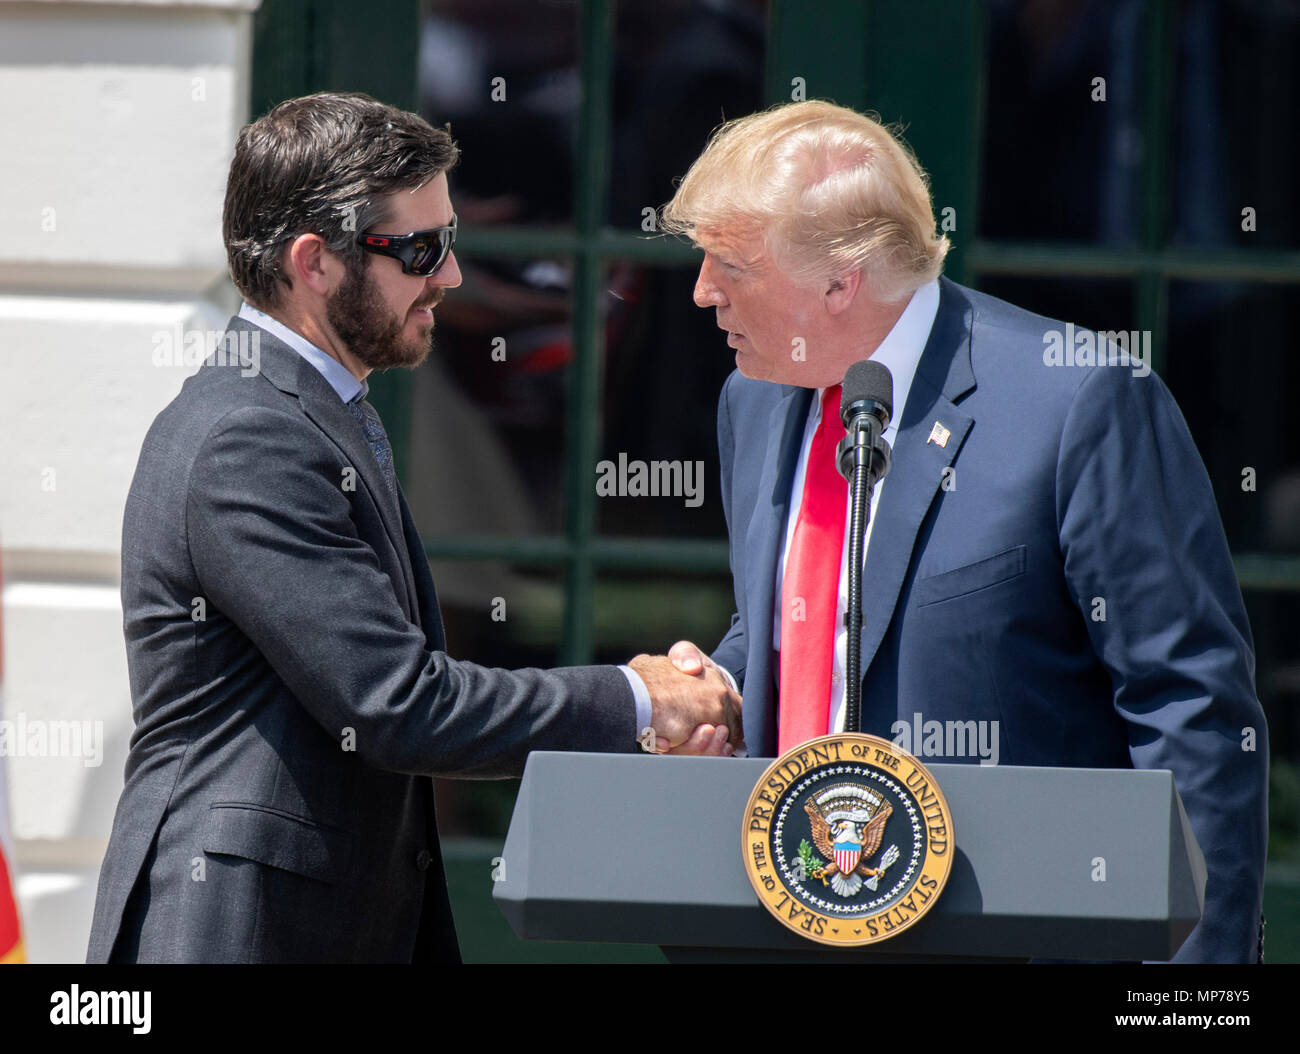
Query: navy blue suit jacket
<point x="1069" y="487"/>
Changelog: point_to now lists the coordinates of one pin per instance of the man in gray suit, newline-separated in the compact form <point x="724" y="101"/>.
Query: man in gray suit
<point x="291" y="689"/>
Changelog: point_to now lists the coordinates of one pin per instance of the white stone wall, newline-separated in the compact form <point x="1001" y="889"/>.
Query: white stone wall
<point x="117" y="122"/>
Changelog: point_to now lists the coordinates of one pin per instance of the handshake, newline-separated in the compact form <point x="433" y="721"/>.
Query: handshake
<point x="694" y="709"/>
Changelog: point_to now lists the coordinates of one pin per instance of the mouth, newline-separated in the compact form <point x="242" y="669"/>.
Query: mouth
<point x="733" y="337"/>
<point x="424" y="312"/>
<point x="423" y="315"/>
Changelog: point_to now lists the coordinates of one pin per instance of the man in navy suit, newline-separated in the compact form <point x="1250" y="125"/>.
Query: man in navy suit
<point x="1045" y="558"/>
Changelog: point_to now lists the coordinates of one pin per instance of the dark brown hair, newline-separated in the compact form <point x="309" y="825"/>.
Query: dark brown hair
<point x="322" y="164"/>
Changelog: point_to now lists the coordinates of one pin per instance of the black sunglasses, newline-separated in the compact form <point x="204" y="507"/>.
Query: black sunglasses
<point x="421" y="252"/>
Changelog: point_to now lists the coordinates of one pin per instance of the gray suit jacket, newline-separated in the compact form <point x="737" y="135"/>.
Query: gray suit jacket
<point x="291" y="692"/>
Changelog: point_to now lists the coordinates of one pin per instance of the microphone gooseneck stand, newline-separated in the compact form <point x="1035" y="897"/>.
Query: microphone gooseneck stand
<point x="870" y="463"/>
<point x="863" y="458"/>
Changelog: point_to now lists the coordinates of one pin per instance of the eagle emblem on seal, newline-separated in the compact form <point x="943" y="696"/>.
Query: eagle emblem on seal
<point x="848" y="825"/>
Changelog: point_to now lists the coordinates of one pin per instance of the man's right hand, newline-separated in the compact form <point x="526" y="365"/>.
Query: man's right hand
<point x="686" y="693"/>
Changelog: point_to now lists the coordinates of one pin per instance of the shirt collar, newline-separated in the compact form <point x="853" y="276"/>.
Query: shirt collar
<point x="902" y="347"/>
<point x="340" y="378"/>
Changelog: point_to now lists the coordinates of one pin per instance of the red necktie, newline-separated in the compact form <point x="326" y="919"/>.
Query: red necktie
<point x="811" y="586"/>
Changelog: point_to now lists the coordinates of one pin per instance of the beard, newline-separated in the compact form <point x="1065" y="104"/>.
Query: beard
<point x="368" y="327"/>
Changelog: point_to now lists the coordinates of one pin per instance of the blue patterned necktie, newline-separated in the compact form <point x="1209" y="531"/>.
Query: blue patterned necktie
<point x="373" y="428"/>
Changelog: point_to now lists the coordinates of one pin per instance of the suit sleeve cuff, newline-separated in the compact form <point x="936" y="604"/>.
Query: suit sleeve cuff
<point x="644" y="712"/>
<point x="730" y="680"/>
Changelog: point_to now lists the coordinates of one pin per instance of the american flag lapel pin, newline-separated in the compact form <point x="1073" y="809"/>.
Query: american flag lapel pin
<point x="939" y="434"/>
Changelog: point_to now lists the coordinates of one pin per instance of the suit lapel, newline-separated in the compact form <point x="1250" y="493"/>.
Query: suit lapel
<point x="294" y="375"/>
<point x="328" y="411"/>
<point x="943" y="376"/>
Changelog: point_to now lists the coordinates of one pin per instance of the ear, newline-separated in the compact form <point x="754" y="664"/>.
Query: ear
<point x="308" y="261"/>
<point x="841" y="291"/>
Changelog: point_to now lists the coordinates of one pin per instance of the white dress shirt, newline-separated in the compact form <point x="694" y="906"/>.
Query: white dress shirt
<point x="900" y="351"/>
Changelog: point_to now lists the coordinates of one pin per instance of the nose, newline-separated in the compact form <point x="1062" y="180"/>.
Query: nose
<point x="448" y="276"/>
<point x="707" y="293"/>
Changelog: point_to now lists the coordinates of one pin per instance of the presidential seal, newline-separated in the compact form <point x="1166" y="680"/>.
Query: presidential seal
<point x="847" y="839"/>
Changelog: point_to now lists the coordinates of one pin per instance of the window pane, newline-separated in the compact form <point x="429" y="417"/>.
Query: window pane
<point x="648" y="612"/>
<point x="1095" y="303"/>
<point x="500" y="614"/>
<point x="681" y="67"/>
<point x="505" y="74"/>
<point x="1273" y="618"/>
<point x="1059" y="166"/>
<point x="488" y="407"/>
<point x="1232" y="366"/>
<point x="665" y="366"/>
<point x="1237" y="107"/>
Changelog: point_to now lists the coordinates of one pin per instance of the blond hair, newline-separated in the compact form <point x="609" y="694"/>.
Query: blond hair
<point x="831" y="190"/>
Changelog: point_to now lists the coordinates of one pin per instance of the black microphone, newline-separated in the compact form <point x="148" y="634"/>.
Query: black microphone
<point x="866" y="406"/>
<point x="864" y="457"/>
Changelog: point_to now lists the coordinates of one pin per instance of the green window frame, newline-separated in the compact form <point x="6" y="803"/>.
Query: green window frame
<point x="861" y="53"/>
